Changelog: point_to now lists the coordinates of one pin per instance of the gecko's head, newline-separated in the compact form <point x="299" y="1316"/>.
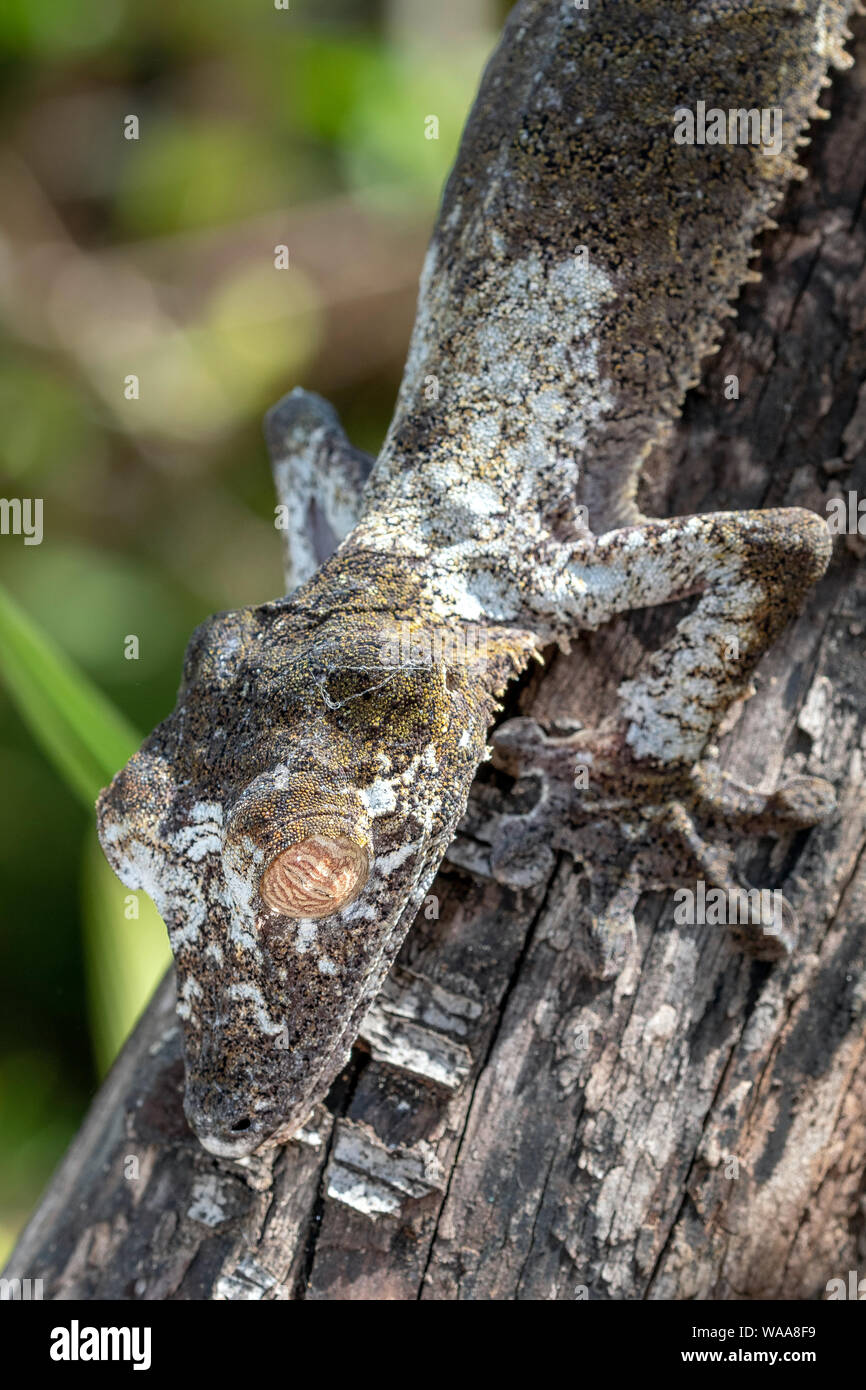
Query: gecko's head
<point x="287" y="820"/>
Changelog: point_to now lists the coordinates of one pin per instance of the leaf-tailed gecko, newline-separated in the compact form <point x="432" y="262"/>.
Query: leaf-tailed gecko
<point x="288" y="817"/>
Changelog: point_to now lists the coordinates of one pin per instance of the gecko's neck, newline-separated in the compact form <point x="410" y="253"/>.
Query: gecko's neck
<point x="375" y="592"/>
<point x="484" y="438"/>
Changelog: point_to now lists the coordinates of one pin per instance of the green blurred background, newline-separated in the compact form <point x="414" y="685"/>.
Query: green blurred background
<point x="258" y="126"/>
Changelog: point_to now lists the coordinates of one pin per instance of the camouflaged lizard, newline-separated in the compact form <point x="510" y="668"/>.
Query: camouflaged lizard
<point x="289" y="816"/>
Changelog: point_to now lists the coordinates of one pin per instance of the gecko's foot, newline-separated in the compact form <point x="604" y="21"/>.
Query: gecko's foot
<point x="637" y="828"/>
<point x="796" y="804"/>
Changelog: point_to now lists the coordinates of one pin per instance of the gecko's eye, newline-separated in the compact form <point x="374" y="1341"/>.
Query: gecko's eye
<point x="297" y="844"/>
<point x="316" y="877"/>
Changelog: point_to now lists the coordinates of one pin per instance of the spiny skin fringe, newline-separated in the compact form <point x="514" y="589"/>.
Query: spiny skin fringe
<point x="504" y="219"/>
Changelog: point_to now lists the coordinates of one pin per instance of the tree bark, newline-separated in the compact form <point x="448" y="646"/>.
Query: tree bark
<point x="511" y="1127"/>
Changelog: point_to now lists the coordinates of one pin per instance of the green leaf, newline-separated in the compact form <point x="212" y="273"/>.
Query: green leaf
<point x="126" y="954"/>
<point x="77" y="727"/>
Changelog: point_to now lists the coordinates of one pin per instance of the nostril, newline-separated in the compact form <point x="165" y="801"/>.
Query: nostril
<point x="241" y="1125"/>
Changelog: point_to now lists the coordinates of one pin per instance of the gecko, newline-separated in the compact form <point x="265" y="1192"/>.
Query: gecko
<point x="288" y="817"/>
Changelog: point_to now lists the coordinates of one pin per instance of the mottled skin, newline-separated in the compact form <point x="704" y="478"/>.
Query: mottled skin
<point x="538" y="379"/>
<point x="288" y="725"/>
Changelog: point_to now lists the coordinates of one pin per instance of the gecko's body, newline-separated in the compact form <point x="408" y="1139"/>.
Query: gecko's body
<point x="582" y="265"/>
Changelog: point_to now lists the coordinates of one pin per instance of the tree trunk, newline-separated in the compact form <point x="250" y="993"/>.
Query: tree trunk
<point x="512" y="1127"/>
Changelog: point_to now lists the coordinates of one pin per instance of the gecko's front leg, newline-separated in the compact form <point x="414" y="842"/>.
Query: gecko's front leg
<point x="641" y="776"/>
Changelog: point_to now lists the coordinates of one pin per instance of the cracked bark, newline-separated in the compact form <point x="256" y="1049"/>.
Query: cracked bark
<point x="512" y="1128"/>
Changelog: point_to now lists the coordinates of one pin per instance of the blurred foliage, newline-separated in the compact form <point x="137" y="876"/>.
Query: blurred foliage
<point x="82" y="734"/>
<point x="155" y="257"/>
<point x="87" y="740"/>
<point x="126" y="953"/>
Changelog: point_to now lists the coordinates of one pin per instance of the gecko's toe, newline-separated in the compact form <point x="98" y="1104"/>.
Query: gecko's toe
<point x="772" y="940"/>
<point x="681" y="827"/>
<point x="760" y="921"/>
<point x="796" y="804"/>
<point x="519" y="858"/>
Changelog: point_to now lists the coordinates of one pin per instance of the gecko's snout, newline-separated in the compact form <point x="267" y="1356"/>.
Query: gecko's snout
<point x="228" y="1129"/>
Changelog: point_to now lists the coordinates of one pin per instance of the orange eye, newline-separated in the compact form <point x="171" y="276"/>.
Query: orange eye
<point x="316" y="877"/>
